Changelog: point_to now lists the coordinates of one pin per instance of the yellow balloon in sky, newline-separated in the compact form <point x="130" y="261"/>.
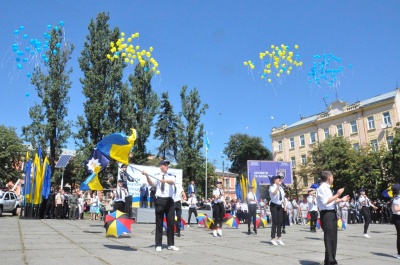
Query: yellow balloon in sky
<point x="148" y="54"/>
<point x="269" y="80"/>
<point x="137" y="47"/>
<point x="151" y="49"/>
<point x="112" y="44"/>
<point x="122" y="34"/>
<point x="157" y="72"/>
<point x="272" y="46"/>
<point x="129" y="39"/>
<point x="296" y="46"/>
<point x="108" y="56"/>
<point x="245" y="63"/>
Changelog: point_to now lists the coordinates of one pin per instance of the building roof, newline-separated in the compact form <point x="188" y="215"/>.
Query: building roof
<point x="363" y="103"/>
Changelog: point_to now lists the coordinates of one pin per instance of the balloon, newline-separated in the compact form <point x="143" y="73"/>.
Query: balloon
<point x="21" y="27"/>
<point x="61" y="23"/>
<point x="16" y="32"/>
<point x="19" y="66"/>
<point x="28" y="75"/>
<point x="27" y="95"/>
<point x="54" y="52"/>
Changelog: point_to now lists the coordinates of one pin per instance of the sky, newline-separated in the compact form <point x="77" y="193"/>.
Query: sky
<point x="204" y="44"/>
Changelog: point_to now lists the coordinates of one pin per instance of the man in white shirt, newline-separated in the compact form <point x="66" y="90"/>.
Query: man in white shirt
<point x="165" y="189"/>
<point x="296" y="209"/>
<point x="304" y="210"/>
<point x="252" y="205"/>
<point x="313" y="208"/>
<point x="344" y="208"/>
<point x="192" y="207"/>
<point x="326" y="202"/>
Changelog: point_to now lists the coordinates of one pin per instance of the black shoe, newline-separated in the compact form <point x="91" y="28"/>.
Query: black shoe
<point x="255" y="231"/>
<point x="178" y="235"/>
<point x="249" y="232"/>
<point x="283" y="232"/>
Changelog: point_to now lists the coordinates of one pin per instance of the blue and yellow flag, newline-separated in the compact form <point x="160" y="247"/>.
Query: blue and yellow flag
<point x="92" y="182"/>
<point x="27" y="179"/>
<point x="254" y="185"/>
<point x="46" y="172"/>
<point x="95" y="159"/>
<point x="117" y="146"/>
<point x="37" y="180"/>
<point x="207" y="143"/>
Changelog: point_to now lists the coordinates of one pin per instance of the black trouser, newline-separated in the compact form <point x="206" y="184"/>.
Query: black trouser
<point x="193" y="210"/>
<point x="352" y="217"/>
<point x="59" y="211"/>
<point x="252" y="214"/>
<point x="178" y="213"/>
<point x="50" y="209"/>
<point x="164" y="206"/>
<point x="277" y="219"/>
<point x="366" y="213"/>
<point x="329" y="226"/>
<point x="218" y="214"/>
<point x="119" y="205"/>
<point x="396" y="221"/>
<point x="143" y="201"/>
<point x="313" y="220"/>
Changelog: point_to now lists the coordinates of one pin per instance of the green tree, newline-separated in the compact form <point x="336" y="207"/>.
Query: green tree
<point x="52" y="85"/>
<point x="190" y="136"/>
<point x="166" y="130"/>
<point x="391" y="159"/>
<point x="145" y="105"/>
<point x="101" y="85"/>
<point x="242" y="147"/>
<point x="11" y="151"/>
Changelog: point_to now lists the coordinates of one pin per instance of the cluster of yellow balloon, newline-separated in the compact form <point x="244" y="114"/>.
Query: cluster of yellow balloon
<point x="122" y="49"/>
<point x="277" y="62"/>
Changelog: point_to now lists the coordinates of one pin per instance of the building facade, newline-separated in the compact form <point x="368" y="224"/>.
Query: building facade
<point x="363" y="123"/>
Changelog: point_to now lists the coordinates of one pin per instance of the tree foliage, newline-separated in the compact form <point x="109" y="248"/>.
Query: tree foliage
<point x="391" y="160"/>
<point x="49" y="127"/>
<point x="190" y="136"/>
<point x="11" y="151"/>
<point x="144" y="108"/>
<point x="166" y="130"/>
<point x="242" y="147"/>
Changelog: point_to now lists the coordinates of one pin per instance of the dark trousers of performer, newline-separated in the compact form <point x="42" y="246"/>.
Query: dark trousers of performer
<point x="329" y="226"/>
<point x="178" y="213"/>
<point x="352" y="217"/>
<point x="252" y="214"/>
<point x="143" y="201"/>
<point x="59" y="211"/>
<point x="313" y="221"/>
<point x="277" y="219"/>
<point x="192" y="210"/>
<point x="72" y="211"/>
<point x="396" y="221"/>
<point x="50" y="209"/>
<point x="218" y="214"/>
<point x="367" y="218"/>
<point x="284" y="220"/>
<point x="165" y="206"/>
<point x="119" y="205"/>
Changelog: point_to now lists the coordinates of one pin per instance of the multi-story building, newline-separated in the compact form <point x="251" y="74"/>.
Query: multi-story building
<point x="367" y="122"/>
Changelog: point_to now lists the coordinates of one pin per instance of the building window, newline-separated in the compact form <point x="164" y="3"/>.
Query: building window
<point x="389" y="141"/>
<point x="326" y="133"/>
<point x="293" y="159"/>
<point x="354" y="128"/>
<point x="339" y="130"/>
<point x="279" y="145"/>
<point x="374" y="145"/>
<point x="305" y="181"/>
<point x="302" y="141"/>
<point x="386" y="119"/>
<point x="292" y="142"/>
<point x="371" y="123"/>
<point x="312" y="137"/>
<point x="356" y="147"/>
<point x="227" y="183"/>
<point x="303" y="160"/>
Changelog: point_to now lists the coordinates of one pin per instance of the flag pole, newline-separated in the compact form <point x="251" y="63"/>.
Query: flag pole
<point x="205" y="196"/>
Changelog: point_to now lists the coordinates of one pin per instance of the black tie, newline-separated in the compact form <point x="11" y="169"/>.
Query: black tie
<point x="280" y="194"/>
<point x="163" y="184"/>
<point x="120" y="194"/>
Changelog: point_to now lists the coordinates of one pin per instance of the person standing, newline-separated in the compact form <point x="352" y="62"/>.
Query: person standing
<point x="289" y="207"/>
<point x="191" y="188"/>
<point x="312" y="206"/>
<point x="50" y="205"/>
<point x="365" y="210"/>
<point x="276" y="194"/>
<point x="352" y="212"/>
<point x="218" y="209"/>
<point x="396" y="215"/>
<point x="59" y="199"/>
<point x="119" y="196"/>
<point x="72" y="204"/>
<point x="165" y="188"/>
<point x="94" y="205"/>
<point x="252" y="205"/>
<point x="144" y="193"/>
<point x="326" y="202"/>
<point x="152" y="196"/>
<point x="344" y="208"/>
<point x="179" y="197"/>
<point x="192" y="208"/>
<point x="81" y="205"/>
<point x="296" y="209"/>
<point x="304" y="211"/>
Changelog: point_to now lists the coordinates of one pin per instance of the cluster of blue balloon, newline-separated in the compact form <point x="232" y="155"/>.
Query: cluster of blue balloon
<point x="29" y="53"/>
<point x="326" y="69"/>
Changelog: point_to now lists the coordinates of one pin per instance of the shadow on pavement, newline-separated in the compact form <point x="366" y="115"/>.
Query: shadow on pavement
<point x="92" y="232"/>
<point x="308" y="262"/>
<point x="314" y="238"/>
<point x="384" y="255"/>
<point x="119" y="247"/>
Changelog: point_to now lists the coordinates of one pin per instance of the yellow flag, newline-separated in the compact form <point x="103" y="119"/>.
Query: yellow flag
<point x="254" y="185"/>
<point x="38" y="180"/>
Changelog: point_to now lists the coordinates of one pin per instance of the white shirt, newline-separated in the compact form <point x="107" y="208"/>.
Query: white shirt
<point x="192" y="202"/>
<point x="280" y="195"/>
<point x="364" y="201"/>
<point x="312" y="206"/>
<point x="216" y="193"/>
<point x="169" y="190"/>
<point x="344" y="206"/>
<point x="119" y="194"/>
<point x="294" y="203"/>
<point x="178" y="194"/>
<point x="251" y="198"/>
<point x="244" y="207"/>
<point x="396" y="201"/>
<point x="304" y="206"/>
<point x="323" y="195"/>
<point x="289" y="205"/>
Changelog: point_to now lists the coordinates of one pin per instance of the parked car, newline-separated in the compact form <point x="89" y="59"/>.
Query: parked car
<point x="8" y="202"/>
